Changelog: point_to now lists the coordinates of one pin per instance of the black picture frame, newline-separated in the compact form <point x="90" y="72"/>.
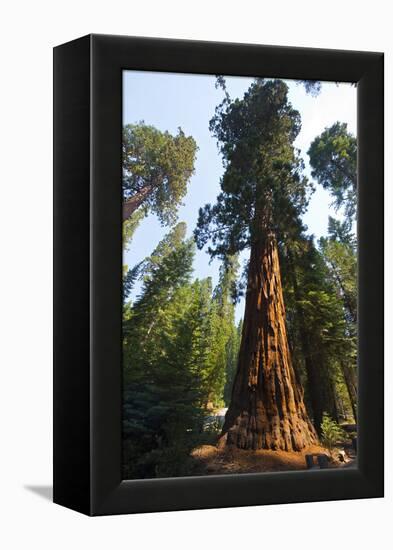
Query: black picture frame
<point x="88" y="262"/>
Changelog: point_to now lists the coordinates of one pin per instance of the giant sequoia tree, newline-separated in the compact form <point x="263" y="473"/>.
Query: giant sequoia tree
<point x="156" y="169"/>
<point x="263" y="194"/>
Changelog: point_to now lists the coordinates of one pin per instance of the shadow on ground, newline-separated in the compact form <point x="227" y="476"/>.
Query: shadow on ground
<point x="44" y="491"/>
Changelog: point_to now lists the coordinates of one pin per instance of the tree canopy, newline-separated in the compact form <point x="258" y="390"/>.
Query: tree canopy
<point x="263" y="171"/>
<point x="157" y="167"/>
<point x="333" y="157"/>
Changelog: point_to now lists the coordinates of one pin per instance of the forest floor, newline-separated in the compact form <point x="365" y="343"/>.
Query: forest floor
<point x="211" y="460"/>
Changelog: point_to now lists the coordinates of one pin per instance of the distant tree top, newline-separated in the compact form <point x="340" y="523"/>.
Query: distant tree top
<point x="157" y="167"/>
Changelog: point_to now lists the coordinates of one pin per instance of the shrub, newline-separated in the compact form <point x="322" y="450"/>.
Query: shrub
<point x="331" y="433"/>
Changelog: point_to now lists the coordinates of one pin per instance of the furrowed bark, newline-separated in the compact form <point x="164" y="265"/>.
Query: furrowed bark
<point x="267" y="410"/>
<point x="131" y="204"/>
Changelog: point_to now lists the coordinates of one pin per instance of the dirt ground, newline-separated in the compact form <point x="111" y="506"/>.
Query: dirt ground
<point x="211" y="460"/>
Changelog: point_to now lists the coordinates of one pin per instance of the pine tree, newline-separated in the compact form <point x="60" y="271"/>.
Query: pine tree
<point x="340" y="259"/>
<point x="175" y="338"/>
<point x="333" y="157"/>
<point x="316" y="325"/>
<point x="223" y="330"/>
<point x="162" y="396"/>
<point x="232" y="357"/>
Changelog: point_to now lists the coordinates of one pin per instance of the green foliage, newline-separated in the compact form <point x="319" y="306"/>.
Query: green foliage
<point x="316" y="324"/>
<point x="223" y="347"/>
<point x="162" y="398"/>
<point x="175" y="343"/>
<point x="166" y="270"/>
<point x="263" y="171"/>
<point x="232" y="355"/>
<point x="333" y="157"/>
<point x="341" y="260"/>
<point x="129" y="279"/>
<point x="158" y="166"/>
<point x="130" y="225"/>
<point x="312" y="87"/>
<point x="341" y="263"/>
<point x="331" y="433"/>
<point x="325" y="304"/>
<point x="341" y="231"/>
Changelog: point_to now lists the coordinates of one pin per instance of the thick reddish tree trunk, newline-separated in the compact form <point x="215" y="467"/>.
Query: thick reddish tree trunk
<point x="267" y="409"/>
<point x="131" y="204"/>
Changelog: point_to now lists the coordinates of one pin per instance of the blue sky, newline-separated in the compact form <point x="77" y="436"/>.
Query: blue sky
<point x="169" y="100"/>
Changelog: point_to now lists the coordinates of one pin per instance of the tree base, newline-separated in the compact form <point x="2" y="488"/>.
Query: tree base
<point x="293" y="433"/>
<point x="267" y="409"/>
